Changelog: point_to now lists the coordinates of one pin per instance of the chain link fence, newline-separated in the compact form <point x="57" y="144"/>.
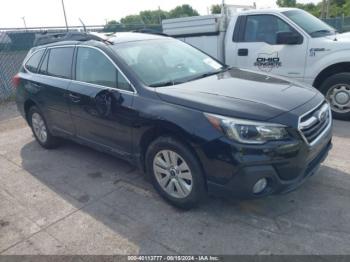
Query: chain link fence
<point x="342" y="24"/>
<point x="13" y="49"/>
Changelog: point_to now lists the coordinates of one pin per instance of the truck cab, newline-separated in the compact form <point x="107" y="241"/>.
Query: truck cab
<point x="288" y="42"/>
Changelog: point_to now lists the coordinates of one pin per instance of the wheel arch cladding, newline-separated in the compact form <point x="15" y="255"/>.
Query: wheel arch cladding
<point x="343" y="67"/>
<point x="165" y="130"/>
<point x="27" y="105"/>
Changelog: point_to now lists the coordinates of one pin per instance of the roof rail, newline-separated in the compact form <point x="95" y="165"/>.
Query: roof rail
<point x="48" y="38"/>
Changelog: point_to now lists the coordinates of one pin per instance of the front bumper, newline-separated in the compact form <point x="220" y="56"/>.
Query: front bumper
<point x="233" y="170"/>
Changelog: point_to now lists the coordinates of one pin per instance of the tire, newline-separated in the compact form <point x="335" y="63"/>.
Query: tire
<point x="34" y="118"/>
<point x="338" y="86"/>
<point x="180" y="191"/>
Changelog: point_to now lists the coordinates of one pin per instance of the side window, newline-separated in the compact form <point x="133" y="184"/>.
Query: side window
<point x="43" y="67"/>
<point x="264" y="28"/>
<point x="94" y="67"/>
<point x="33" y="62"/>
<point x="60" y="62"/>
<point x="122" y="83"/>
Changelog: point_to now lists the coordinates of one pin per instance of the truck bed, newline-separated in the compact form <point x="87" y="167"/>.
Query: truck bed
<point x="203" y="32"/>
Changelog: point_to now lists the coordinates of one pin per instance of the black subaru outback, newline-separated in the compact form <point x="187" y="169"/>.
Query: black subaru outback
<point x="191" y="123"/>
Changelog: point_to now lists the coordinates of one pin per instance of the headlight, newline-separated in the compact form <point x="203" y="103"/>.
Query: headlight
<point x="246" y="131"/>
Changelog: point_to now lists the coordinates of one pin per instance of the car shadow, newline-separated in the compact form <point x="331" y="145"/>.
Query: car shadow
<point x="116" y="194"/>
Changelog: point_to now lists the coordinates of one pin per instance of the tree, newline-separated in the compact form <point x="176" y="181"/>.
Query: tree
<point x="183" y="11"/>
<point x="286" y="3"/>
<point x="153" y="16"/>
<point x="131" y="19"/>
<point x="311" y="8"/>
<point x="336" y="7"/>
<point x="215" y="9"/>
<point x="111" y="26"/>
<point x="339" y="3"/>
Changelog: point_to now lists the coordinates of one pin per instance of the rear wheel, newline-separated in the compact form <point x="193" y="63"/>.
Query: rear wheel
<point x="176" y="173"/>
<point x="336" y="88"/>
<point x="40" y="129"/>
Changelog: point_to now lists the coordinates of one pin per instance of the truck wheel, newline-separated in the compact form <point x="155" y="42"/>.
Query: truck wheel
<point x="336" y="88"/>
<point x="175" y="172"/>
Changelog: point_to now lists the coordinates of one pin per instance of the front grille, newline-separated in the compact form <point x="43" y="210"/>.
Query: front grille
<point x="315" y="122"/>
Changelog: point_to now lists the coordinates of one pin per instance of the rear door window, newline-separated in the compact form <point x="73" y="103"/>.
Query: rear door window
<point x="60" y="62"/>
<point x="33" y="62"/>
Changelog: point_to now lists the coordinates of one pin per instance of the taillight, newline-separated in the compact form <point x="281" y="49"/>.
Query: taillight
<point x="16" y="80"/>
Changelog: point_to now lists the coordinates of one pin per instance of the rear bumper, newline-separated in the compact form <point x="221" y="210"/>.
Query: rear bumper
<point x="233" y="171"/>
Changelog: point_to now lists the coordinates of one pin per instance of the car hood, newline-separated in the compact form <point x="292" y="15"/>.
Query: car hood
<point x="239" y="93"/>
<point x="343" y="36"/>
<point x="337" y="40"/>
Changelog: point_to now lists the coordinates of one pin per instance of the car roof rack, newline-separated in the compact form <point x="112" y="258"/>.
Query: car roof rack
<point x="48" y="38"/>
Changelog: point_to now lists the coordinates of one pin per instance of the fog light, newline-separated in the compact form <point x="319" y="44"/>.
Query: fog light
<point x="260" y="186"/>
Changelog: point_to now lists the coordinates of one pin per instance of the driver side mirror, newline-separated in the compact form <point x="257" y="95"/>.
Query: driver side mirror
<point x="288" y="38"/>
<point x="106" y="99"/>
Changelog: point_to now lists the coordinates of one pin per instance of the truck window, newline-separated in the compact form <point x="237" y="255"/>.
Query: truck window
<point x="264" y="28"/>
<point x="312" y="25"/>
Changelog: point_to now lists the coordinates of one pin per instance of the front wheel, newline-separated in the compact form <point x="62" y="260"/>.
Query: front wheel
<point x="175" y="172"/>
<point x="336" y="88"/>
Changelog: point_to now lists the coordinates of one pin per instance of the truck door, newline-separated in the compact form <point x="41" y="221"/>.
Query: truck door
<point x="268" y="44"/>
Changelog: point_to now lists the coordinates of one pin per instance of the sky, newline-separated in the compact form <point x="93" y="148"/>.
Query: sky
<point x="97" y="12"/>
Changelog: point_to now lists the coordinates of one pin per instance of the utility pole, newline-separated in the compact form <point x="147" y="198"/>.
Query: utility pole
<point x="327" y="10"/>
<point x="159" y="16"/>
<point x="323" y="8"/>
<point x="223" y="7"/>
<point x="64" y="13"/>
<point x="24" y="22"/>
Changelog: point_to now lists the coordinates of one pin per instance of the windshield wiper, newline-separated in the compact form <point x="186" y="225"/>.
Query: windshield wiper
<point x="172" y="83"/>
<point x="320" y="32"/>
<point x="223" y="69"/>
<point x="165" y="83"/>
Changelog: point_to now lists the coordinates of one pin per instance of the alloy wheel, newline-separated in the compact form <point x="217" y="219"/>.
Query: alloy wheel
<point x="173" y="173"/>
<point x="39" y="127"/>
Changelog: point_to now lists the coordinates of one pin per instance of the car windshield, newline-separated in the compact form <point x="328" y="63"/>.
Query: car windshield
<point x="312" y="25"/>
<point x="166" y="62"/>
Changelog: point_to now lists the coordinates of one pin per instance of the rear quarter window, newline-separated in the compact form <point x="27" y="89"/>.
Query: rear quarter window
<point x="60" y="62"/>
<point x="33" y="62"/>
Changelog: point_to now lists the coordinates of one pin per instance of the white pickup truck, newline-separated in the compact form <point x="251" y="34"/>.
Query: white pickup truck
<point x="285" y="41"/>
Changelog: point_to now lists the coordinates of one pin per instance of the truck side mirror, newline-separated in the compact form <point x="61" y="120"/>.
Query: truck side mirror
<point x="288" y="38"/>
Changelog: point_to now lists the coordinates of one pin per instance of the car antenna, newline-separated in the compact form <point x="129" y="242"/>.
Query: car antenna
<point x="335" y="35"/>
<point x="81" y="21"/>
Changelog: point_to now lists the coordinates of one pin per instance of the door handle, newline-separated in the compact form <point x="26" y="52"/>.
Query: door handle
<point x="242" y="52"/>
<point x="74" y="98"/>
